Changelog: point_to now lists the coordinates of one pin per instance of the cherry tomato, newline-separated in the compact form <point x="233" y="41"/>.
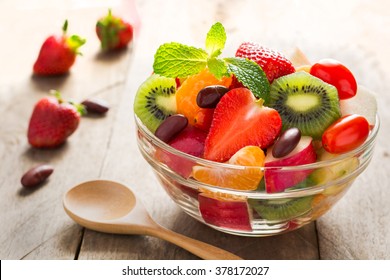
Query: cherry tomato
<point x="345" y="134"/>
<point x="333" y="72"/>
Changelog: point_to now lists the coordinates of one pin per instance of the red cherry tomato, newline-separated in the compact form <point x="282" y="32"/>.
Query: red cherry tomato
<point x="345" y="134"/>
<point x="333" y="72"/>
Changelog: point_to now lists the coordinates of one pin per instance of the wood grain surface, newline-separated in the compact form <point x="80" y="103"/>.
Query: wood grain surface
<point x="34" y="224"/>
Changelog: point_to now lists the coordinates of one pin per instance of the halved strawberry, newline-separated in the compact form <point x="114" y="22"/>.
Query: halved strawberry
<point x="240" y="120"/>
<point x="273" y="63"/>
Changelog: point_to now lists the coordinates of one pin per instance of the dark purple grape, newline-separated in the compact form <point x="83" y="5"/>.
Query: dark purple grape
<point x="36" y="175"/>
<point x="170" y="127"/>
<point x="98" y="106"/>
<point x="286" y="142"/>
<point x="209" y="97"/>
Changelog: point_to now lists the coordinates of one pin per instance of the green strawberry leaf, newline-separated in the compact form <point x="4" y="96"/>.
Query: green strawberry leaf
<point x="177" y="60"/>
<point x="57" y="95"/>
<point x="250" y="74"/>
<point x="80" y="108"/>
<point x="215" y="40"/>
<point x="75" y="42"/>
<point x="218" y="67"/>
<point x="65" y="27"/>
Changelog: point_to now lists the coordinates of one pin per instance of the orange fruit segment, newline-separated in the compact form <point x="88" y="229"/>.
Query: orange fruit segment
<point x="250" y="158"/>
<point x="186" y="98"/>
<point x="222" y="196"/>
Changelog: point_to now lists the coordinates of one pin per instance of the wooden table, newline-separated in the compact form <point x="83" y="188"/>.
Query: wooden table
<point x="34" y="224"/>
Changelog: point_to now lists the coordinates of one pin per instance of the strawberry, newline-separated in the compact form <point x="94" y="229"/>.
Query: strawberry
<point x="53" y="121"/>
<point x="273" y="63"/>
<point x="113" y="32"/>
<point x="58" y="53"/>
<point x="240" y="120"/>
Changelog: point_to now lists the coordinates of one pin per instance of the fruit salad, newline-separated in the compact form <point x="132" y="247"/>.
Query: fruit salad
<point x="258" y="122"/>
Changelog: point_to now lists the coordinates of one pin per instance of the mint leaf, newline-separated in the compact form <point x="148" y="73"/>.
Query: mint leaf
<point x="177" y="60"/>
<point x="250" y="74"/>
<point x="215" y="40"/>
<point x="217" y="67"/>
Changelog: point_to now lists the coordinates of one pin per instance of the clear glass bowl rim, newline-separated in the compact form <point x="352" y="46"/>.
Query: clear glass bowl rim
<point x="162" y="145"/>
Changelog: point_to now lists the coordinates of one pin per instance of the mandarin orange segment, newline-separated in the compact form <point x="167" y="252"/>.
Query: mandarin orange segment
<point x="223" y="196"/>
<point x="186" y="98"/>
<point x="251" y="158"/>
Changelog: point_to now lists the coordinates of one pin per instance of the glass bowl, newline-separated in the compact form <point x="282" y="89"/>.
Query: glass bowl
<point x="237" y="210"/>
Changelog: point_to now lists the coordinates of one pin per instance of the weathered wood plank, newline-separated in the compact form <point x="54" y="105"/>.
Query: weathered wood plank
<point x="33" y="223"/>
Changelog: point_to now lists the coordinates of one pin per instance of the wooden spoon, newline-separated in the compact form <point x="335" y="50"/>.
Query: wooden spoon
<point x="110" y="207"/>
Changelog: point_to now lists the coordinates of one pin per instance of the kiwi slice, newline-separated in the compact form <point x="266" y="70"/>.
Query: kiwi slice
<point x="155" y="101"/>
<point x="305" y="102"/>
<point x="281" y="209"/>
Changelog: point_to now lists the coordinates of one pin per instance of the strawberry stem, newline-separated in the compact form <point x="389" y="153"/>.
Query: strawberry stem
<point x="57" y="95"/>
<point x="79" y="108"/>
<point x="65" y="27"/>
<point x="260" y="102"/>
<point x="74" y="42"/>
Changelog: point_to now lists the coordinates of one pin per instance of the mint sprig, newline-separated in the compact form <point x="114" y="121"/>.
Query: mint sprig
<point x="178" y="60"/>
<point x="250" y="74"/>
<point x="218" y="67"/>
<point x="215" y="40"/>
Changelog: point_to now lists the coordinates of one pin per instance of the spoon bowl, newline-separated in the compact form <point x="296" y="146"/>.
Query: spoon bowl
<point x="111" y="207"/>
<point x="100" y="200"/>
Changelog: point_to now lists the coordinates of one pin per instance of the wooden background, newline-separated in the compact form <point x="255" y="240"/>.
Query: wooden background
<point x="34" y="224"/>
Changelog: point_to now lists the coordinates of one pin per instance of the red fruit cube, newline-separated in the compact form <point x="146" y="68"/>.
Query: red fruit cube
<point x="224" y="212"/>
<point x="190" y="141"/>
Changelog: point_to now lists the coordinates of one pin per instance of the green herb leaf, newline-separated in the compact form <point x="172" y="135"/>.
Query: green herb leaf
<point x="177" y="60"/>
<point x="218" y="67"/>
<point x="215" y="40"/>
<point x="250" y="74"/>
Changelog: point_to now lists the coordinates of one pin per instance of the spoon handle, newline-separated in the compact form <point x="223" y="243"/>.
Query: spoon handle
<point x="196" y="247"/>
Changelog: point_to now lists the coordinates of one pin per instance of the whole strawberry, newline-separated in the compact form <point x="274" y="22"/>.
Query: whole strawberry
<point x="58" y="53"/>
<point x="113" y="32"/>
<point x="53" y="120"/>
<point x="273" y="63"/>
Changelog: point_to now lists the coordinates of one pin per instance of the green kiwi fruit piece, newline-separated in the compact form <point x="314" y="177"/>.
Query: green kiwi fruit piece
<point x="305" y="102"/>
<point x="155" y="100"/>
<point x="282" y="208"/>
